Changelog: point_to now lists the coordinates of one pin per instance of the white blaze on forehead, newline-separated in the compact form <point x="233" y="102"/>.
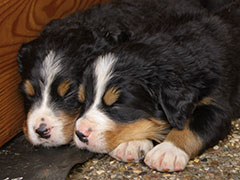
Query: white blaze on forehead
<point x="103" y="73"/>
<point x="49" y="70"/>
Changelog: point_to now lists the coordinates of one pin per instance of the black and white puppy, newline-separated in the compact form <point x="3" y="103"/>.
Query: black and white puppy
<point x="51" y="66"/>
<point x="186" y="76"/>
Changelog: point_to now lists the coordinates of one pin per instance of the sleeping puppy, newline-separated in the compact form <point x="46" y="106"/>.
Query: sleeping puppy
<point x="185" y="77"/>
<point x="51" y="66"/>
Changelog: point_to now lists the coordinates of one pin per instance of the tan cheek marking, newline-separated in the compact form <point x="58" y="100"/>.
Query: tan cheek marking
<point x="139" y="130"/>
<point x="25" y="130"/>
<point x="29" y="88"/>
<point x="81" y="93"/>
<point x="25" y="127"/>
<point x="111" y="96"/>
<point x="63" y="87"/>
<point x="186" y="140"/>
<point x="205" y="101"/>
<point x="68" y="124"/>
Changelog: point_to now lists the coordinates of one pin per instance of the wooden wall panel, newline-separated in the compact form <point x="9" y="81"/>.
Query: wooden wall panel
<point x="21" y="21"/>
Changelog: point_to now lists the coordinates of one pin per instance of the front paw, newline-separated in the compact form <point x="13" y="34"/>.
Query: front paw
<point x="132" y="151"/>
<point x="166" y="157"/>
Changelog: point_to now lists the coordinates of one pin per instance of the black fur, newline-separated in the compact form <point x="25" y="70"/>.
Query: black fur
<point x="81" y="37"/>
<point x="213" y="5"/>
<point x="165" y="75"/>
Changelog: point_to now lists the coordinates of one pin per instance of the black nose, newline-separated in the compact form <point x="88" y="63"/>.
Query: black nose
<point x="82" y="137"/>
<point x="43" y="131"/>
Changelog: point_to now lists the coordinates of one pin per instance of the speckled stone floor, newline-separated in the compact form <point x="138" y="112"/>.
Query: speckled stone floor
<point x="222" y="162"/>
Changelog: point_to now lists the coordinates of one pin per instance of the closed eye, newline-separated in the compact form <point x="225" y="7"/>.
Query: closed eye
<point x="69" y="94"/>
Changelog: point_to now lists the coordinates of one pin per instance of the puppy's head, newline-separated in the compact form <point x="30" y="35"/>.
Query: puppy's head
<point x="115" y="109"/>
<point x="49" y="95"/>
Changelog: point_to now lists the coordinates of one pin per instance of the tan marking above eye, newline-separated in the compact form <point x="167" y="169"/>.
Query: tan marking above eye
<point x="81" y="93"/>
<point x="63" y="87"/>
<point x="29" y="88"/>
<point x="111" y="96"/>
<point x="205" y="101"/>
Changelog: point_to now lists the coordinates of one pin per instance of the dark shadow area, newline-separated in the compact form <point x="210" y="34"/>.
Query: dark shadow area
<point x="21" y="160"/>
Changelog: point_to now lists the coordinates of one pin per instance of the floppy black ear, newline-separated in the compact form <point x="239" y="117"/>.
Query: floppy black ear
<point x="23" y="51"/>
<point x="178" y="105"/>
<point x="26" y="55"/>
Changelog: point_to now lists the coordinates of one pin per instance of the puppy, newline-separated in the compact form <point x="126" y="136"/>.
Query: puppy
<point x="51" y="66"/>
<point x="185" y="77"/>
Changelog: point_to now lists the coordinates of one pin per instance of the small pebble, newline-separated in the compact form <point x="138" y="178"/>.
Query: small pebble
<point x="206" y="168"/>
<point x="230" y="155"/>
<point x="216" y="147"/>
<point x="18" y="178"/>
<point x="100" y="172"/>
<point x="137" y="171"/>
<point x="196" y="160"/>
<point x="204" y="159"/>
<point x="113" y="176"/>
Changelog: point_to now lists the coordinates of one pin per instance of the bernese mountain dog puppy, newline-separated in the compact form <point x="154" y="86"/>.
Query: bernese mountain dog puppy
<point x="51" y="66"/>
<point x="183" y="81"/>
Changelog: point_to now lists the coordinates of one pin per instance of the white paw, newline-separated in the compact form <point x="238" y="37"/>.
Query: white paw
<point x="166" y="157"/>
<point x="132" y="151"/>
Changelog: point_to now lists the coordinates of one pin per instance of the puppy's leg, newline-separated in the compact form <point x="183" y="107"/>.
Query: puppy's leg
<point x="174" y="153"/>
<point x="209" y="124"/>
<point x="132" y="151"/>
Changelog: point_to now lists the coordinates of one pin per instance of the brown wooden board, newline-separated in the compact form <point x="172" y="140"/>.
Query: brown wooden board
<point x="21" y="21"/>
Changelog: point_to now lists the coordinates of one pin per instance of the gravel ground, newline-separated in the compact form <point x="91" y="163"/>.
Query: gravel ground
<point x="222" y="162"/>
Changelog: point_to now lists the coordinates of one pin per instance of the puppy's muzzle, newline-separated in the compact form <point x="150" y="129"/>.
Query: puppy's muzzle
<point x="43" y="131"/>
